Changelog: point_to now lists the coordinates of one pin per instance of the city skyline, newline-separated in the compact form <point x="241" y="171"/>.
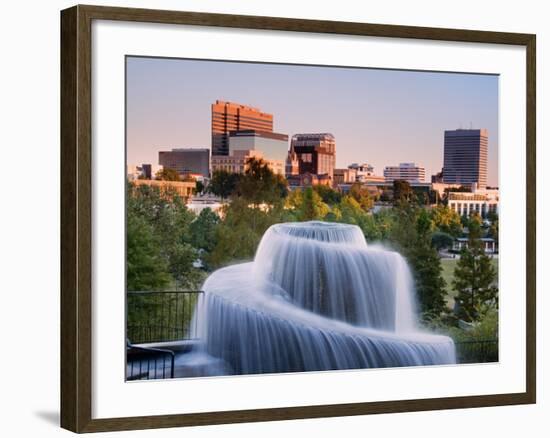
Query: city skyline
<point x="382" y="117"/>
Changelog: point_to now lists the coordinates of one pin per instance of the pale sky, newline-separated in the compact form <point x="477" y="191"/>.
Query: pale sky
<point x="381" y="117"/>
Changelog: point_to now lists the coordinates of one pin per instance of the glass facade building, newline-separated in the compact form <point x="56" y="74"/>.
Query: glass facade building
<point x="316" y="153"/>
<point x="186" y="161"/>
<point x="229" y="116"/>
<point x="274" y="146"/>
<point x="465" y="157"/>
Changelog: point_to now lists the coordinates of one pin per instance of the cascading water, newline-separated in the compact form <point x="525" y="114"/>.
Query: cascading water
<point x="315" y="298"/>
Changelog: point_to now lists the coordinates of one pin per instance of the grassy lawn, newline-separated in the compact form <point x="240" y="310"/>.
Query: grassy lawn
<point x="448" y="266"/>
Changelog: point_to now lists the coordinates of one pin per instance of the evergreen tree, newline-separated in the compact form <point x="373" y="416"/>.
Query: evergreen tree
<point x="427" y="269"/>
<point x="474" y="275"/>
<point x="412" y="232"/>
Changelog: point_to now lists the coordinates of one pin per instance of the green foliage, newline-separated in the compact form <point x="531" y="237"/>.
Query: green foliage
<point x="259" y="185"/>
<point x="362" y="196"/>
<point x="203" y="234"/>
<point x="412" y="235"/>
<point x="384" y="222"/>
<point x="328" y="195"/>
<point x="485" y="328"/>
<point x="492" y="216"/>
<point x="223" y="183"/>
<point x="475" y="342"/>
<point x="351" y="210"/>
<point x="158" y="234"/>
<point x="446" y="220"/>
<point x="257" y="203"/>
<point x="202" y="231"/>
<point x="442" y="240"/>
<point x="334" y="215"/>
<point x="474" y="276"/>
<point x="402" y="192"/>
<point x="238" y="236"/>
<point x="166" y="174"/>
<point x="312" y="206"/>
<point x="493" y="228"/>
<point x="159" y="316"/>
<point x="294" y="199"/>
<point x="199" y="187"/>
<point x="146" y="269"/>
<point x="404" y="232"/>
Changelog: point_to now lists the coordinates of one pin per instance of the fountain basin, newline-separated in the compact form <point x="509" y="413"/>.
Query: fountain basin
<point x="256" y="332"/>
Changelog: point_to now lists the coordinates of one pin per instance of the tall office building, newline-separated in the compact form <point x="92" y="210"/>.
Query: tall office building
<point x="316" y="153"/>
<point x="465" y="157"/>
<point x="229" y="116"/>
<point x="187" y="161"/>
<point x="405" y="171"/>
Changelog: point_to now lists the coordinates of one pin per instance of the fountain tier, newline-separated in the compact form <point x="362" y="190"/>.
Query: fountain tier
<point x="315" y="298"/>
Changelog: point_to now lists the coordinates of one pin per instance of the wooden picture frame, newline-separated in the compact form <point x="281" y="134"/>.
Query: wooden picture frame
<point x="76" y="217"/>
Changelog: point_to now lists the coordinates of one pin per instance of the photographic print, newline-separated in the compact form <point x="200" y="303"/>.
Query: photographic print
<point x="289" y="218"/>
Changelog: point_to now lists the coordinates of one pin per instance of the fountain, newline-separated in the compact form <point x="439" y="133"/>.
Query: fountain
<point x="316" y="297"/>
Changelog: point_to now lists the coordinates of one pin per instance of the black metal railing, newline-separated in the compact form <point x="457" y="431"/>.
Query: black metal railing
<point x="477" y="351"/>
<point x="161" y="316"/>
<point x="149" y="363"/>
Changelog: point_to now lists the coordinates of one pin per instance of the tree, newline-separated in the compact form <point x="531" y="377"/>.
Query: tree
<point x="166" y="217"/>
<point x="223" y="183"/>
<point x="327" y="194"/>
<point x="361" y="195"/>
<point x="351" y="211"/>
<point x="402" y="191"/>
<point x="202" y="230"/>
<point x="384" y="222"/>
<point x="238" y="235"/>
<point x="259" y="185"/>
<point x="427" y="268"/>
<point x="203" y="235"/>
<point x="166" y="174"/>
<point x="493" y="228"/>
<point x="181" y="258"/>
<point x="442" y="240"/>
<point x="446" y="220"/>
<point x="334" y="215"/>
<point x="294" y="199"/>
<point x="312" y="207"/>
<point x="474" y="276"/>
<point x="404" y="232"/>
<point x="199" y="187"/>
<point x="412" y="234"/>
<point x="146" y="269"/>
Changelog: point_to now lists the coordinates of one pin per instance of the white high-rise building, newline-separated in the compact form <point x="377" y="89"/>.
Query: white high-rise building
<point x="409" y="172"/>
